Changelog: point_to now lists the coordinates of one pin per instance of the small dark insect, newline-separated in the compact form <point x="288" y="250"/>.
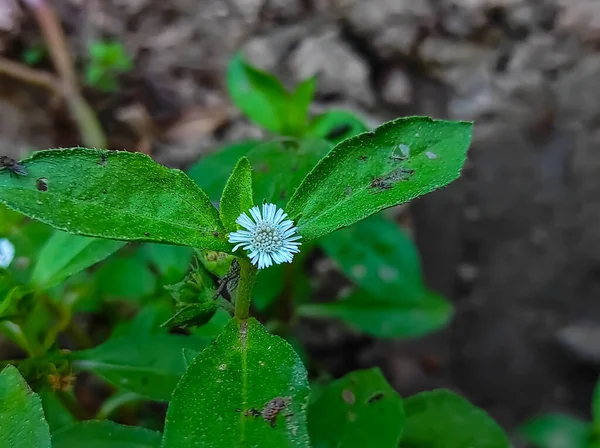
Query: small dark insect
<point x="12" y="166"/>
<point x="378" y="396"/>
<point x="42" y="184"/>
<point x="102" y="160"/>
<point x="363" y="158"/>
<point x="338" y="131"/>
<point x="215" y="234"/>
<point x="271" y="410"/>
<point x="389" y="180"/>
<point x="147" y="233"/>
<point x="229" y="283"/>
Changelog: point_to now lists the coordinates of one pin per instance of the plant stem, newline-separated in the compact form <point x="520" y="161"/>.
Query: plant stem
<point x="91" y="132"/>
<point x="244" y="290"/>
<point x="16" y="334"/>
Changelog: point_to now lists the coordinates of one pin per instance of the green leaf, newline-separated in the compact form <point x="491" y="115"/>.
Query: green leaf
<point x="442" y="419"/>
<point x="64" y="255"/>
<point x="269" y="285"/>
<point x="336" y="126"/>
<point x="556" y="431"/>
<point x="399" y="161"/>
<point x="244" y="369"/>
<point x="22" y="423"/>
<point x="357" y="411"/>
<point x="56" y="414"/>
<point x="128" y="278"/>
<point x="172" y="262"/>
<point x="192" y="315"/>
<point x="375" y="254"/>
<point x="297" y="113"/>
<point x="212" y="171"/>
<point x="258" y="94"/>
<point x="105" y="434"/>
<point x="278" y="167"/>
<point x="596" y="409"/>
<point x="149" y="365"/>
<point x="188" y="356"/>
<point x="116" y="195"/>
<point x="237" y="195"/>
<point x="386" y="317"/>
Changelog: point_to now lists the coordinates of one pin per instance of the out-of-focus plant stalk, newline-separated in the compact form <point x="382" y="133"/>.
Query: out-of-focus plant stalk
<point x="91" y="132"/>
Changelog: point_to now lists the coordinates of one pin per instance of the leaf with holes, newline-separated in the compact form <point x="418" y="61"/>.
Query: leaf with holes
<point x="357" y="411"/>
<point x="248" y="388"/>
<point x="397" y="162"/>
<point x="114" y="194"/>
<point x="22" y="423"/>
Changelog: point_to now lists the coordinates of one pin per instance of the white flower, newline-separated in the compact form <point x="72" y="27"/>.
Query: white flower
<point x="269" y="238"/>
<point x="7" y="253"/>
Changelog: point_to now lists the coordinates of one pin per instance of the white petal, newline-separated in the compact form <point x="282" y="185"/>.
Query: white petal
<point x="7" y="253"/>
<point x="255" y="212"/>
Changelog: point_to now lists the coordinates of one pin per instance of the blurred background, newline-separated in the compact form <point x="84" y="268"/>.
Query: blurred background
<point x="515" y="243"/>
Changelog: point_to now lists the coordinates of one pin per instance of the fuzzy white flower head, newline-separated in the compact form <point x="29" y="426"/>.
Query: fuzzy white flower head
<point x="269" y="238"/>
<point x="7" y="253"/>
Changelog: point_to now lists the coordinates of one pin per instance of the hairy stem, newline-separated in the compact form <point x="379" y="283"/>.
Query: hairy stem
<point x="244" y="290"/>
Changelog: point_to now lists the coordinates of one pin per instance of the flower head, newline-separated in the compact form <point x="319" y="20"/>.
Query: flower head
<point x="7" y="253"/>
<point x="269" y="238"/>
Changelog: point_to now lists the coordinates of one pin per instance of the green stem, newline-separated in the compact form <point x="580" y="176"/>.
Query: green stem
<point x="244" y="290"/>
<point x="16" y="334"/>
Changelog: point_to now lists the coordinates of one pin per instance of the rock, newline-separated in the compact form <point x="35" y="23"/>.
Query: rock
<point x="396" y="88"/>
<point x="269" y="51"/>
<point x="10" y="21"/>
<point x="581" y="17"/>
<point x="582" y="340"/>
<point x="340" y="71"/>
<point x="391" y="27"/>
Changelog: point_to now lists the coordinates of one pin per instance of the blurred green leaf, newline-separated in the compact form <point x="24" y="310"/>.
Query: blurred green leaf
<point x="336" y="126"/>
<point x="386" y="317"/>
<point x="596" y="410"/>
<point x="116" y="195"/>
<point x="244" y="369"/>
<point x="149" y="365"/>
<point x="379" y="257"/>
<point x="278" y="167"/>
<point x="212" y="171"/>
<point x="214" y="327"/>
<point x="443" y="419"/>
<point x="128" y="278"/>
<point x="22" y="423"/>
<point x="56" y="414"/>
<point x="264" y="100"/>
<point x="556" y="431"/>
<point x="269" y="285"/>
<point x="397" y="162"/>
<point x="172" y="262"/>
<point x="359" y="410"/>
<point x="105" y="434"/>
<point x="9" y="220"/>
<point x="188" y="356"/>
<point x="299" y="103"/>
<point x="64" y="255"/>
<point x="148" y="320"/>
<point x="237" y="195"/>
<point x="117" y="400"/>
